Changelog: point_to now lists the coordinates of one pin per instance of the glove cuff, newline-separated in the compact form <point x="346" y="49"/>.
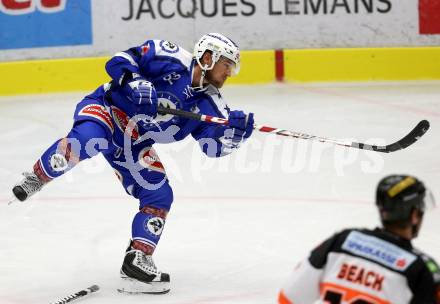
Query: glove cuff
<point x="129" y="76"/>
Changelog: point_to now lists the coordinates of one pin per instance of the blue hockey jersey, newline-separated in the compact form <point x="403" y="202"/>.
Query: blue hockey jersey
<point x="170" y="69"/>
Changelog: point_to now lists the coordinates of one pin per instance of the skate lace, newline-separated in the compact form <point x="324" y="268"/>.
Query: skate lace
<point x="31" y="183"/>
<point x="146" y="263"/>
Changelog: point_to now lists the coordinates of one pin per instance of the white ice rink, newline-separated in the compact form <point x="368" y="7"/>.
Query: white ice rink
<point x="238" y="224"/>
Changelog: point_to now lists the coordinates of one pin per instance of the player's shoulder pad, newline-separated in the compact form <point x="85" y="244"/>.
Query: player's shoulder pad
<point x="164" y="48"/>
<point x="148" y="49"/>
<point x="318" y="256"/>
<point x="430" y="264"/>
<point x="339" y="236"/>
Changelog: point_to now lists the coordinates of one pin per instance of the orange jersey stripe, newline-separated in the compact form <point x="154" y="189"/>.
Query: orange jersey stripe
<point x="348" y="294"/>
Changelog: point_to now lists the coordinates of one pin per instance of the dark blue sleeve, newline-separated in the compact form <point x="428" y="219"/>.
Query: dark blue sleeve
<point x="209" y="138"/>
<point x="123" y="64"/>
<point x="425" y="284"/>
<point x="214" y="140"/>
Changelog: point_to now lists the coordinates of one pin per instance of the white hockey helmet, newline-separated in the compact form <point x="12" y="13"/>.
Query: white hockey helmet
<point x="219" y="45"/>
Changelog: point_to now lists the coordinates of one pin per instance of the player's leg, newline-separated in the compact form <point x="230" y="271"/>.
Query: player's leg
<point x="147" y="228"/>
<point x="147" y="181"/>
<point x="88" y="137"/>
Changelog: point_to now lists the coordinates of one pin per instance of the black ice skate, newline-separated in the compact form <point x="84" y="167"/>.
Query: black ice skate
<point x="140" y="275"/>
<point x="28" y="186"/>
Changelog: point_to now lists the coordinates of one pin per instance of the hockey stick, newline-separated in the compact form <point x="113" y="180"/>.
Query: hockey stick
<point x="77" y="295"/>
<point x="403" y="143"/>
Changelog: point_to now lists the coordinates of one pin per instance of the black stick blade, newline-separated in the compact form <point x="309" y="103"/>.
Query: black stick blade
<point x="413" y="136"/>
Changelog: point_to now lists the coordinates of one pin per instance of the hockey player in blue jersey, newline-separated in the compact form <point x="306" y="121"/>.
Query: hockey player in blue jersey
<point x="121" y="121"/>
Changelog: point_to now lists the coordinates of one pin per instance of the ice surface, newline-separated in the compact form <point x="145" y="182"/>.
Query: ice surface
<point x="238" y="224"/>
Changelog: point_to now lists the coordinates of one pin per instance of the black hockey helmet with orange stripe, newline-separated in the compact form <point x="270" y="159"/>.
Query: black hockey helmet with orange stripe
<point x="398" y="195"/>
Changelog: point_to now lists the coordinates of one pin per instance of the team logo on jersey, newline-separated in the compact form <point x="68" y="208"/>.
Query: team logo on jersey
<point x="166" y="100"/>
<point x="124" y="123"/>
<point x="155" y="225"/>
<point x="149" y="159"/>
<point x="378" y="250"/>
<point x="432" y="266"/>
<point x="58" y="162"/>
<point x="169" y="47"/>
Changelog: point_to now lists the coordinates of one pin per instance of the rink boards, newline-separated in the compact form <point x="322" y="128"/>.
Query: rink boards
<point x="304" y="65"/>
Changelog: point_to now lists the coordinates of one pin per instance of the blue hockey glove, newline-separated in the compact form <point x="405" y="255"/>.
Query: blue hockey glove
<point x="143" y="94"/>
<point x="241" y="124"/>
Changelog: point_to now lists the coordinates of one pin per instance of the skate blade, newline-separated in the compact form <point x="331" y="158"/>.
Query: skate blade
<point x="131" y="286"/>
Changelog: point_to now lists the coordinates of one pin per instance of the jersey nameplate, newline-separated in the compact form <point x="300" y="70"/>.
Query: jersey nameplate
<point x="378" y="250"/>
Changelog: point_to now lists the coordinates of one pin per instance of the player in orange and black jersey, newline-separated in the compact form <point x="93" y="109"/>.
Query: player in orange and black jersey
<point x="380" y="266"/>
